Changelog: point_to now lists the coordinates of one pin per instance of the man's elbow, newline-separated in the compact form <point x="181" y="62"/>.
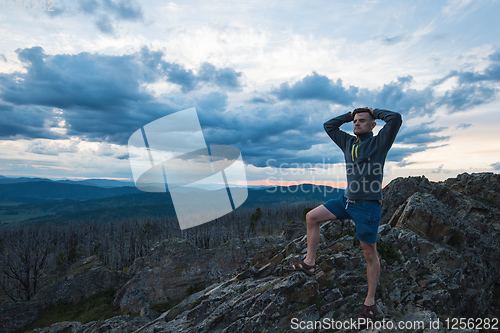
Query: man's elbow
<point x="327" y="127"/>
<point x="398" y="118"/>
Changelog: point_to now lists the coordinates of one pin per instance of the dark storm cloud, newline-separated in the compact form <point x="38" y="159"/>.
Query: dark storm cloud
<point x="226" y="78"/>
<point x="398" y="97"/>
<point x="281" y="132"/>
<point x="100" y="96"/>
<point x="62" y="81"/>
<point x="395" y="95"/>
<point x="318" y="87"/>
<point x="27" y="122"/>
<point x="5" y="107"/>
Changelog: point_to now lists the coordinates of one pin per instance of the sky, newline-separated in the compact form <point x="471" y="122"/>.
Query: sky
<point x="77" y="81"/>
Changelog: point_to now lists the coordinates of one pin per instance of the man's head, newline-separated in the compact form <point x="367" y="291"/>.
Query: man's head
<point x="363" y="121"/>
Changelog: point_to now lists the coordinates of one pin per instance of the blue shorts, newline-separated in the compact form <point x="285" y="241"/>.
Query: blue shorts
<point x="365" y="214"/>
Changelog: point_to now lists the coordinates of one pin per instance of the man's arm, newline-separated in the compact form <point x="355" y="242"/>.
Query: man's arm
<point x="332" y="128"/>
<point x="388" y="133"/>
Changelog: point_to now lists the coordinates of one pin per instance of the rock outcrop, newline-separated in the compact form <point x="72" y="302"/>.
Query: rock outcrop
<point x="87" y="277"/>
<point x="484" y="187"/>
<point x="175" y="267"/>
<point x="439" y="246"/>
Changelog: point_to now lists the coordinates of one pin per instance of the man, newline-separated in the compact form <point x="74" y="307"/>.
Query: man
<point x="365" y="157"/>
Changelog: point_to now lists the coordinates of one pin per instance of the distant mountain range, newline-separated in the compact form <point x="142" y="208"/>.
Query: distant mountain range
<point x="37" y="200"/>
<point x="106" y="183"/>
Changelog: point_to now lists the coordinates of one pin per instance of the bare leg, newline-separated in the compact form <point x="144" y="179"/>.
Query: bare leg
<point x="372" y="270"/>
<point x="313" y="219"/>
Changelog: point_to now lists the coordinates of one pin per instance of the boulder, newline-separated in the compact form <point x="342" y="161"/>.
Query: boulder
<point x="426" y="216"/>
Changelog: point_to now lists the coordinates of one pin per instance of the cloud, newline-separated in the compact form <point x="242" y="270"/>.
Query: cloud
<point x="27" y="122"/>
<point x="101" y="96"/>
<point x="319" y="87"/>
<point x="107" y="13"/>
<point x="394" y="40"/>
<point x="463" y="126"/>
<point x="262" y="100"/>
<point x="495" y="57"/>
<point x="474" y="88"/>
<point x="465" y="97"/>
<point x="495" y="166"/>
<point x="226" y="78"/>
<point x="3" y="57"/>
<point x="5" y="107"/>
<point x="440" y="170"/>
<point x="106" y="149"/>
<point x="55" y="8"/>
<point x="124" y="10"/>
<point x="420" y="134"/>
<point x="490" y="73"/>
<point x="394" y="96"/>
<point x="51" y="148"/>
<point x="404" y="163"/>
<point x="454" y="7"/>
<point x="213" y="101"/>
<point x="104" y="24"/>
<point x="62" y="81"/>
<point x="399" y="97"/>
<point x="399" y="154"/>
<point x="89" y="6"/>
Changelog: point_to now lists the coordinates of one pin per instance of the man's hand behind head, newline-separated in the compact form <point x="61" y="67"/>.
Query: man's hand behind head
<point x="362" y="110"/>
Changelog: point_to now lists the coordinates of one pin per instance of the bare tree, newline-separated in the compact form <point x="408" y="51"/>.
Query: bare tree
<point x="23" y="261"/>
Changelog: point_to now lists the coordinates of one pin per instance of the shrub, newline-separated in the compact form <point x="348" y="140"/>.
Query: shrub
<point x="96" y="307"/>
<point x="389" y="253"/>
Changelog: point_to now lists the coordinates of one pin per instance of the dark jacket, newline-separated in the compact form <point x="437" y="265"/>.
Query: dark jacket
<point x="365" y="155"/>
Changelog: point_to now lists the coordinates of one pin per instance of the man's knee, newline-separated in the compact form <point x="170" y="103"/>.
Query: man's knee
<point x="311" y="218"/>
<point x="370" y="253"/>
<point x="318" y="215"/>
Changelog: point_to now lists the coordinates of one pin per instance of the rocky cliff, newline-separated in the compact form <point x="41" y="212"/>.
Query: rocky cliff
<point x="439" y="250"/>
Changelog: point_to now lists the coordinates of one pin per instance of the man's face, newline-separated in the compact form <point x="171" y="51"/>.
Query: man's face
<point x="363" y="123"/>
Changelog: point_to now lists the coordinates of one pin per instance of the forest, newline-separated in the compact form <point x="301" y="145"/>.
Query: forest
<point x="35" y="255"/>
